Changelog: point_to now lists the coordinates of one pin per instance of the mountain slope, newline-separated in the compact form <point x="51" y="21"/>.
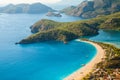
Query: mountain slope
<point x="25" y="8"/>
<point x="46" y="30"/>
<point x="90" y="9"/>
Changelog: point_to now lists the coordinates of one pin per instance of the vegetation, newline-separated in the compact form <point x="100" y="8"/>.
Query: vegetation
<point x="62" y="32"/>
<point x="46" y="30"/>
<point x="109" y="68"/>
<point x="112" y="23"/>
<point x="55" y="34"/>
<point x="93" y="8"/>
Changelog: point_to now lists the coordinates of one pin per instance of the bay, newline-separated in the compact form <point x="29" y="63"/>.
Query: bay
<point x="41" y="61"/>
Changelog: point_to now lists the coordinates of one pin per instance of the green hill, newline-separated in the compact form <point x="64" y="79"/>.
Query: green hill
<point x="45" y="30"/>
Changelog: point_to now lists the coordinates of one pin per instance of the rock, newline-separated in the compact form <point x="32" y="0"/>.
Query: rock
<point x="53" y="14"/>
<point x="68" y="10"/>
<point x="102" y="4"/>
<point x="83" y="7"/>
<point x="93" y="8"/>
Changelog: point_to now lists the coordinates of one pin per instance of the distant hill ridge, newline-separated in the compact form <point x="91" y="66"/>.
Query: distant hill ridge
<point x="26" y="8"/>
<point x="93" y="8"/>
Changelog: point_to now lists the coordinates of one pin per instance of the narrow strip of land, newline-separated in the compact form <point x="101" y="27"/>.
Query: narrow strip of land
<point x="82" y="72"/>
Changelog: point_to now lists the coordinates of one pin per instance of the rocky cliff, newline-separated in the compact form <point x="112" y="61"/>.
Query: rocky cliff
<point x="94" y="8"/>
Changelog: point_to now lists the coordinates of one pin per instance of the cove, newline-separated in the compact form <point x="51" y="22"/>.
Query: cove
<point x="41" y="61"/>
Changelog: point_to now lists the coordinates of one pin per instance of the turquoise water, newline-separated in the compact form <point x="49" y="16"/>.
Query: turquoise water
<point x="42" y="61"/>
<point x="108" y="36"/>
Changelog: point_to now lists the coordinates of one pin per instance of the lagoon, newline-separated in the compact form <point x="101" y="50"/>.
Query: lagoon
<point x="47" y="60"/>
<point x="108" y="36"/>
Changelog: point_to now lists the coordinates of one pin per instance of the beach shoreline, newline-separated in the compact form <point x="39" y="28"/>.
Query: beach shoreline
<point x="82" y="72"/>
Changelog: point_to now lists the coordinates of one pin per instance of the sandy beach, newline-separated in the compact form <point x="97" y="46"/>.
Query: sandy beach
<point x="82" y="72"/>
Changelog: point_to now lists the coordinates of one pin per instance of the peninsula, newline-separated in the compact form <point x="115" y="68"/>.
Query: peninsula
<point x="46" y="30"/>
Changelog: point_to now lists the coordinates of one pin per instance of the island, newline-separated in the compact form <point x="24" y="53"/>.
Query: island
<point x="53" y="14"/>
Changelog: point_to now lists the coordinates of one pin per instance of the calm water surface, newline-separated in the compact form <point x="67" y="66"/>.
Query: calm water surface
<point x="42" y="61"/>
<point x="108" y="36"/>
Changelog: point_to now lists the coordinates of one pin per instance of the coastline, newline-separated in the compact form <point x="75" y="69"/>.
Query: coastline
<point x="82" y="72"/>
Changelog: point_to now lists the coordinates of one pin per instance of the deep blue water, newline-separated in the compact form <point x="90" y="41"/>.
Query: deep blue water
<point x="41" y="61"/>
<point x="108" y="36"/>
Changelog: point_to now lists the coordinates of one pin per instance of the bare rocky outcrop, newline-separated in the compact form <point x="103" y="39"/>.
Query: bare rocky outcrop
<point x="50" y="14"/>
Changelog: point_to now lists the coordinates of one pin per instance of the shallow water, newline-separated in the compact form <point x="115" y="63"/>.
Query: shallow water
<point x="41" y="61"/>
<point x="108" y="36"/>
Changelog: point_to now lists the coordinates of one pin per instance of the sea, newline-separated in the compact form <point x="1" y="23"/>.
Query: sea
<point x="50" y="60"/>
<point x="108" y="36"/>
